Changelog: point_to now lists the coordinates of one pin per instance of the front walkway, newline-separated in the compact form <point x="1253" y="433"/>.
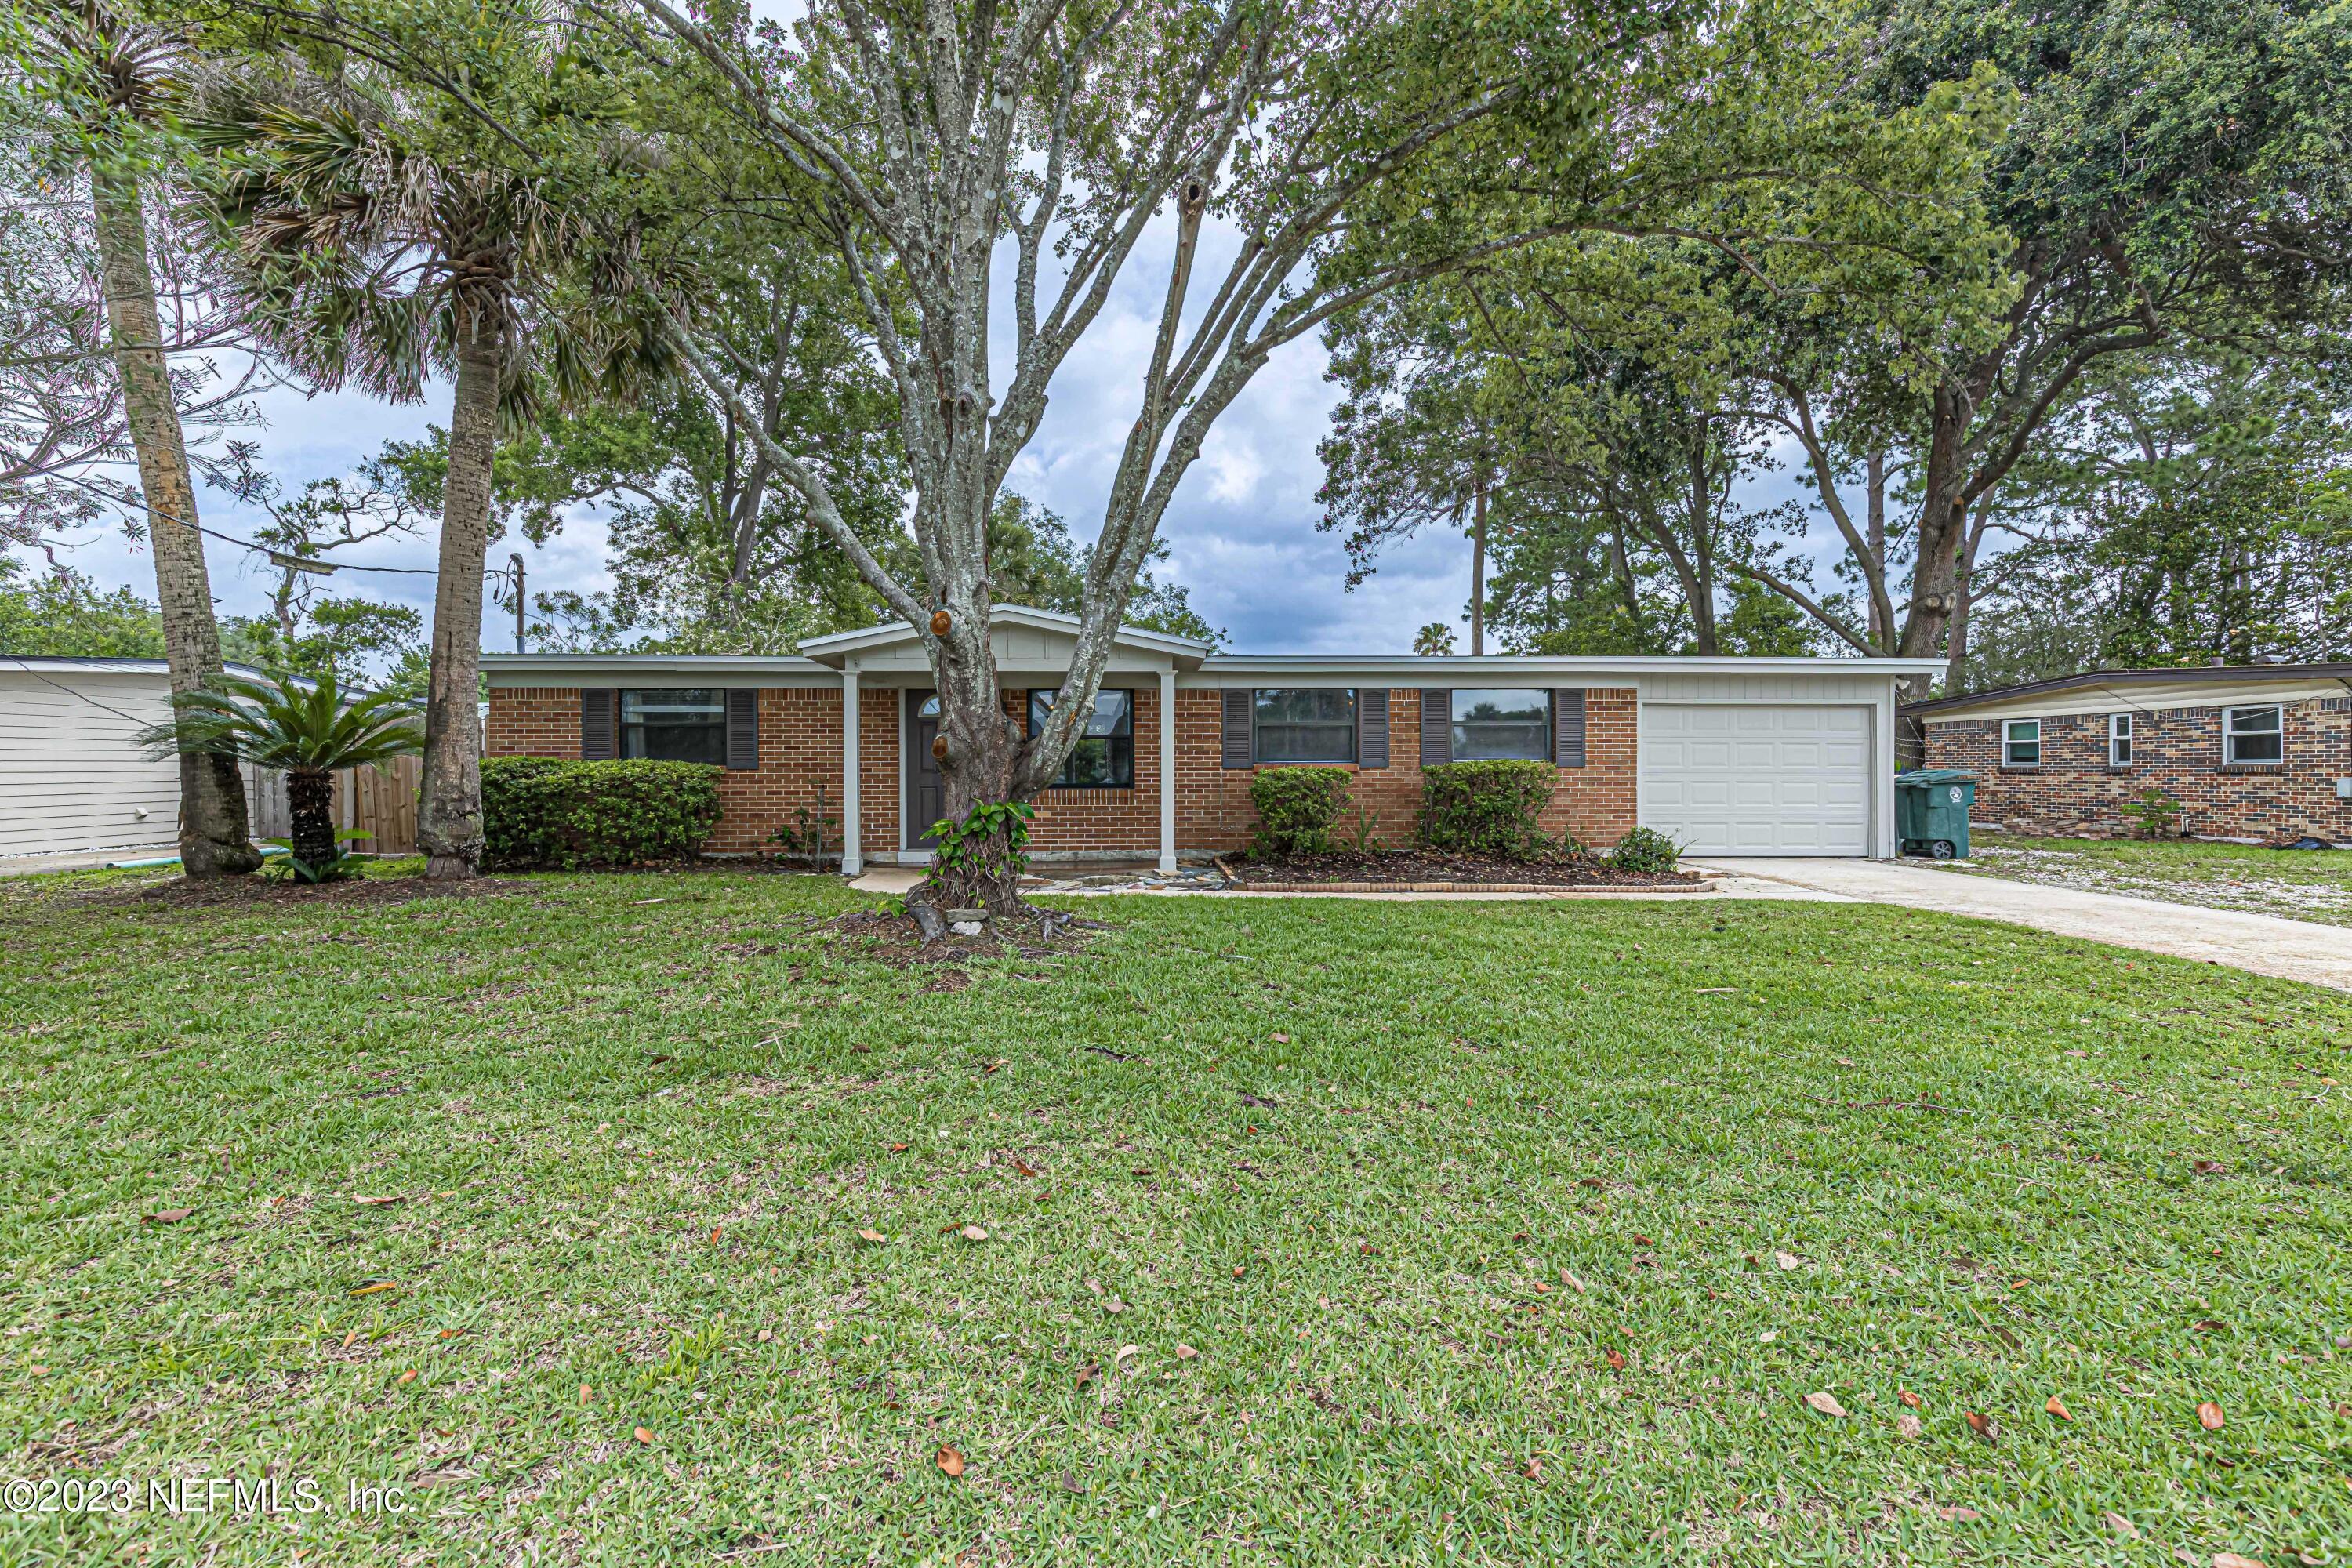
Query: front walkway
<point x="2265" y="944"/>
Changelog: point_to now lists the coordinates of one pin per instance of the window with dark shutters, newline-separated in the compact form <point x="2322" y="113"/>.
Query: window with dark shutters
<point x="598" y="741"/>
<point x="743" y="729"/>
<point x="1568" y="727"/>
<point x="1372" y="729"/>
<point x="1238" y="750"/>
<point x="1436" y="728"/>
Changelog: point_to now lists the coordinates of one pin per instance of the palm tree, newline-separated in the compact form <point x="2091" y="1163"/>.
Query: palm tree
<point x="303" y="728"/>
<point x="383" y="239"/>
<point x="115" y="82"/>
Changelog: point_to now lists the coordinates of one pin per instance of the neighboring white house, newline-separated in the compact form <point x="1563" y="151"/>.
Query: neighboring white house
<point x="71" y="779"/>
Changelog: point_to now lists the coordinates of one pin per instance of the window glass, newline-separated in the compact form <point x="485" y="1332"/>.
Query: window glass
<point x="1502" y="724"/>
<point x="1104" y="757"/>
<point x="2254" y="735"/>
<point x="2119" y="740"/>
<point x="2021" y="743"/>
<point x="675" y="726"/>
<point x="1307" y="724"/>
<point x="928" y="708"/>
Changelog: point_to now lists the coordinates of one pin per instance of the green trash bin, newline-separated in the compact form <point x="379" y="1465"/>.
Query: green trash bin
<point x="1931" y="811"/>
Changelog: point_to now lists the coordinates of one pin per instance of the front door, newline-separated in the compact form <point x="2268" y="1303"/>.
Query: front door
<point x="927" y="792"/>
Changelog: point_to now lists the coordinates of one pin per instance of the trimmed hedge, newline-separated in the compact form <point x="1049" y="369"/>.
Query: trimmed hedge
<point x="1487" y="807"/>
<point x="552" y="813"/>
<point x="1296" y="809"/>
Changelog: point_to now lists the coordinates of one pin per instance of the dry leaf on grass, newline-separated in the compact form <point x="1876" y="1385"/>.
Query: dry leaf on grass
<point x="1615" y="1359"/>
<point x="1281" y="1040"/>
<point x="948" y="1461"/>
<point x="2122" y="1528"/>
<point x="1088" y="1373"/>
<point x="1910" y="1400"/>
<point x="169" y="1217"/>
<point x="587" y="1395"/>
<point x="371" y="1202"/>
<point x="973" y="1233"/>
<point x="2209" y="1415"/>
<point x="645" y="1434"/>
<point x="1788" y="1261"/>
<point x="2232" y="1560"/>
<point x="371" y="1289"/>
<point x="1983" y="1428"/>
<point x="1185" y="1352"/>
<point x="1825" y="1403"/>
<point x="408" y="1376"/>
<point x="871" y="1234"/>
<point x="1532" y="1469"/>
<point x="1125" y="1351"/>
<point x="2057" y="1406"/>
<point x="1957" y="1514"/>
<point x="1907" y="1424"/>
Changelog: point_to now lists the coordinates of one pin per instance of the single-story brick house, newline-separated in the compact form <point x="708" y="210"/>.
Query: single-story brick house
<point x="1761" y="756"/>
<point x="2260" y="750"/>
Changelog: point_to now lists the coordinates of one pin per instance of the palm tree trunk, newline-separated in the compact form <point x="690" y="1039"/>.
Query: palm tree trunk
<point x="449" y="814"/>
<point x="311" y="810"/>
<point x="214" y="837"/>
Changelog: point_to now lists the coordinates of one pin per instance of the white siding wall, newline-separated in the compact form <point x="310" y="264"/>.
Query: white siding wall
<point x="70" y="777"/>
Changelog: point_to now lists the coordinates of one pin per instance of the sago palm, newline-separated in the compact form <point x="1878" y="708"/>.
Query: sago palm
<point x="384" y="238"/>
<point x="306" y="729"/>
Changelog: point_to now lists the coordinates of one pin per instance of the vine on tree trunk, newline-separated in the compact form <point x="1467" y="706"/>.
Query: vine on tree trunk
<point x="979" y="860"/>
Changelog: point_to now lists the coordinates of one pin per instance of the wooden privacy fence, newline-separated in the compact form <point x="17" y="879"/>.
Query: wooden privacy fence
<point x="380" y="802"/>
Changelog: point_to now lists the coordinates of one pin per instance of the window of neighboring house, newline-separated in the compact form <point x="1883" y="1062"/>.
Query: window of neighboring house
<point x="1502" y="724"/>
<point x="2119" y="739"/>
<point x="675" y="726"/>
<point x="2253" y="735"/>
<point x="1104" y="757"/>
<point x="1315" y="724"/>
<point x="2020" y="744"/>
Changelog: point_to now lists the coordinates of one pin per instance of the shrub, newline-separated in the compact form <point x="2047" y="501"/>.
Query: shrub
<point x="1296" y="809"/>
<point x="1488" y="807"/>
<point x="2155" y="815"/>
<point x="1647" y="850"/>
<point x="547" y="813"/>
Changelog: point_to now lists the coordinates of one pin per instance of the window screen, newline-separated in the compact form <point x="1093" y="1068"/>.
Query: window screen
<point x="2254" y="735"/>
<point x="2021" y="743"/>
<point x="1315" y="724"/>
<point x="674" y="726"/>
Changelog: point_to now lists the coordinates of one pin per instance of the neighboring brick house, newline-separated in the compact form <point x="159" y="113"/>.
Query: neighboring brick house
<point x="2257" y="752"/>
<point x="1729" y="756"/>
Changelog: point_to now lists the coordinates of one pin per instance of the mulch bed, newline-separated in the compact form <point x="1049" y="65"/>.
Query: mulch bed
<point x="1431" y="867"/>
<point x="279" y="892"/>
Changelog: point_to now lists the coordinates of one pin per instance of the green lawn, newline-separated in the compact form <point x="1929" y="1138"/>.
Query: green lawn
<point x="2303" y="885"/>
<point x="1409" y="1178"/>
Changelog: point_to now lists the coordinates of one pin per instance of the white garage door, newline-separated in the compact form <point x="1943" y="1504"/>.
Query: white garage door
<point x="1758" y="779"/>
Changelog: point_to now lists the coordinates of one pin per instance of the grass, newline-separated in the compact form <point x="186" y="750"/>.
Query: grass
<point x="2303" y="885"/>
<point x="1409" y="1178"/>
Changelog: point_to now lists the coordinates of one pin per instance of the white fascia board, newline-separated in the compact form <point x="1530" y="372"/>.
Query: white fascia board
<point x="1408" y="669"/>
<point x="894" y="633"/>
<point x="676" y="669"/>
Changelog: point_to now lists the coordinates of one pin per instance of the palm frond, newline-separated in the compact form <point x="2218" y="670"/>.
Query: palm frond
<point x="286" y="722"/>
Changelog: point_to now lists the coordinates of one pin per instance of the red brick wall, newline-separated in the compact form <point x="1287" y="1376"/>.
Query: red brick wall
<point x="1594" y="802"/>
<point x="2177" y="750"/>
<point x="800" y="750"/>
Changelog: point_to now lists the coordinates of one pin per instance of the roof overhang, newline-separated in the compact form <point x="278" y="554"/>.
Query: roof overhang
<point x="1424" y="670"/>
<point x="2181" y="685"/>
<point x="836" y="651"/>
<point x="614" y="669"/>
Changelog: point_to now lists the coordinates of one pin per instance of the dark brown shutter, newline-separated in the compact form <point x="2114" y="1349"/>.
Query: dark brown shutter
<point x="1568" y="727"/>
<point x="1372" y="729"/>
<point x="1238" y="711"/>
<point x="743" y="729"/>
<point x="599" y="735"/>
<point x="1436" y="728"/>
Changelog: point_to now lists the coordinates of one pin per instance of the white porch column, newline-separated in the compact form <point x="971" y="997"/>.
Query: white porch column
<point x="852" y="862"/>
<point x="1167" y="771"/>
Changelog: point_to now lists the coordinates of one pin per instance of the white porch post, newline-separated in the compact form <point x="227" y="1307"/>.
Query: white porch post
<point x="852" y="862"/>
<point x="1167" y="771"/>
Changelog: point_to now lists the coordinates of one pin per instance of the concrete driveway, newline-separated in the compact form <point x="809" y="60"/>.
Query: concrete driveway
<point x="2265" y="944"/>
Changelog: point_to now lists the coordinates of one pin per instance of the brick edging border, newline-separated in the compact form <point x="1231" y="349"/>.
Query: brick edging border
<point x="1570" y="889"/>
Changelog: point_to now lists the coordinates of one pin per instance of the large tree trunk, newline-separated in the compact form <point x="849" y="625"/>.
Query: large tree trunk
<point x="215" y="840"/>
<point x="449" y="813"/>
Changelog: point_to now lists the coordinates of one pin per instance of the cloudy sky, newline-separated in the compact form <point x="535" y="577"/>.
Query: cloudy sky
<point x="1242" y="527"/>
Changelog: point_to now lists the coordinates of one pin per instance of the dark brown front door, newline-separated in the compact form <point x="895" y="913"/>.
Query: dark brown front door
<point x="927" y="792"/>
